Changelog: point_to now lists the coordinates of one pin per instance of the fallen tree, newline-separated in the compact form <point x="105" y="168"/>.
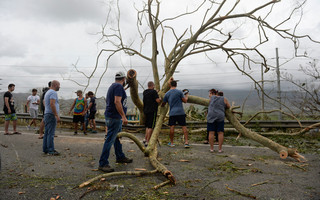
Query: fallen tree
<point x="204" y="36"/>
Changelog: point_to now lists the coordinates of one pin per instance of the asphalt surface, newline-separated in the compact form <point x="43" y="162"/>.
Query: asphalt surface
<point x="237" y="173"/>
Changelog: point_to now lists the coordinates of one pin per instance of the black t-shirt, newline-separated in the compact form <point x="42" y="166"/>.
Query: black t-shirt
<point x="11" y="103"/>
<point x="42" y="98"/>
<point x="93" y="107"/>
<point x="149" y="101"/>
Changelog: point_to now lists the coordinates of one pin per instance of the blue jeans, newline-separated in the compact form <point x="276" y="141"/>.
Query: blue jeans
<point x="114" y="127"/>
<point x="50" y="124"/>
<point x="86" y="119"/>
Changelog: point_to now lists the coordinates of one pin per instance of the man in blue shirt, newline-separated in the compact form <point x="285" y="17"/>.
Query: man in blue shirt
<point x="51" y="117"/>
<point x="175" y="98"/>
<point x="115" y="116"/>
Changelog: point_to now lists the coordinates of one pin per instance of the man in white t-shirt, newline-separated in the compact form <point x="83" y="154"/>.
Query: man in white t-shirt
<point x="33" y="102"/>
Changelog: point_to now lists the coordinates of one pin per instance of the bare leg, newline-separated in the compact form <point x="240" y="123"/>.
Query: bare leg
<point x="171" y="134"/>
<point x="149" y="133"/>
<point x="33" y="122"/>
<point x="76" y="127"/>
<point x="94" y="124"/>
<point x="14" y="123"/>
<point x="220" y="137"/>
<point x="211" y="139"/>
<point x="146" y="135"/>
<point x="84" y="127"/>
<point x="41" y="128"/>
<point x="6" y="126"/>
<point x="185" y="132"/>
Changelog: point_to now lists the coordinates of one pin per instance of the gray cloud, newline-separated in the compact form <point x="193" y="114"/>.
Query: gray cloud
<point x="11" y="48"/>
<point x="53" y="10"/>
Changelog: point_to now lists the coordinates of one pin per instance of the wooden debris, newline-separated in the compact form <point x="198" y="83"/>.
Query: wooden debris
<point x="261" y="183"/>
<point x="140" y="169"/>
<point x="298" y="166"/>
<point x="161" y="184"/>
<point x="182" y="160"/>
<point x="240" y="193"/>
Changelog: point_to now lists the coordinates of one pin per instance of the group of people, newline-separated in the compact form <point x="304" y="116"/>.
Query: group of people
<point x="84" y="112"/>
<point x="115" y="115"/>
<point x="175" y="98"/>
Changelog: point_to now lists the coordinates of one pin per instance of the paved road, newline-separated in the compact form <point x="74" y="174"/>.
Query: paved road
<point x="28" y="174"/>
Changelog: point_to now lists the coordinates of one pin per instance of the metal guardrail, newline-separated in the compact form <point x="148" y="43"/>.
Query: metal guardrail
<point x="197" y="124"/>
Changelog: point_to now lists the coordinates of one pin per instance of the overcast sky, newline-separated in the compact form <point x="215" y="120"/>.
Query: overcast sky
<point x="42" y="40"/>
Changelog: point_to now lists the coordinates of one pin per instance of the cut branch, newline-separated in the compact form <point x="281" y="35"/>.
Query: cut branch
<point x="284" y="152"/>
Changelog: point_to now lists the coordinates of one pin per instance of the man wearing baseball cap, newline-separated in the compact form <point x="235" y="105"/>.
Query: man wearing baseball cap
<point x="115" y="116"/>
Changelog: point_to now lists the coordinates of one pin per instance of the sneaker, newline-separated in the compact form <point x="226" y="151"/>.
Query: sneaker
<point x="171" y="145"/>
<point x="75" y="133"/>
<point x="144" y="141"/>
<point x="54" y="153"/>
<point x="106" y="168"/>
<point x="186" y="146"/>
<point x="28" y="127"/>
<point x="124" y="160"/>
<point x="89" y="129"/>
<point x="94" y="131"/>
<point x="146" y="144"/>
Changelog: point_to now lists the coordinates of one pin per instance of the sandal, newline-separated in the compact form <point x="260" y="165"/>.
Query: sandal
<point x="17" y="133"/>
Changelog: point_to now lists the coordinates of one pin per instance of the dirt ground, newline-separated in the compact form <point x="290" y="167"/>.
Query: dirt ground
<point x="240" y="172"/>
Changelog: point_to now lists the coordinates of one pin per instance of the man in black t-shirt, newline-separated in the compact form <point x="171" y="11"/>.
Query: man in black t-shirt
<point x="93" y="109"/>
<point x="44" y="91"/>
<point x="9" y="111"/>
<point x="150" y="107"/>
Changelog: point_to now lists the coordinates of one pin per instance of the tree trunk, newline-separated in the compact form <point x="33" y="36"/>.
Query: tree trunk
<point x="133" y="84"/>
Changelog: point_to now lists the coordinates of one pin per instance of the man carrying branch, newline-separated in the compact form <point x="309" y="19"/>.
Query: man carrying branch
<point x="175" y="98"/>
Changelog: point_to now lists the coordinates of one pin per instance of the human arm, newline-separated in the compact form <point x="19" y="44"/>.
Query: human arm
<point x="90" y="105"/>
<point x="85" y="107"/>
<point x="185" y="98"/>
<point x="227" y="103"/>
<point x="28" y="104"/>
<point x="118" y="104"/>
<point x="6" y="101"/>
<point x="165" y="100"/>
<point x="72" y="107"/>
<point x="53" y="108"/>
<point x="38" y="101"/>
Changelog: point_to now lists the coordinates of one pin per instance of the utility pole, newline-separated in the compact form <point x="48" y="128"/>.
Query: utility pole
<point x="262" y="93"/>
<point x="278" y="83"/>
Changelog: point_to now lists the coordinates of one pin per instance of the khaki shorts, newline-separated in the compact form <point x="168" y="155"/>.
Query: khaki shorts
<point x="33" y="113"/>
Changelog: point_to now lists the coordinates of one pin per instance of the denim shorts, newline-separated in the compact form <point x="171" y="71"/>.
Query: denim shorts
<point x="216" y="126"/>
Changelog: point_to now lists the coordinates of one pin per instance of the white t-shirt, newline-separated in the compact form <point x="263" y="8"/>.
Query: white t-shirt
<point x="33" y="100"/>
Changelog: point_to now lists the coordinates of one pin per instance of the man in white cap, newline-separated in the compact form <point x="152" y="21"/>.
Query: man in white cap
<point x="115" y="115"/>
